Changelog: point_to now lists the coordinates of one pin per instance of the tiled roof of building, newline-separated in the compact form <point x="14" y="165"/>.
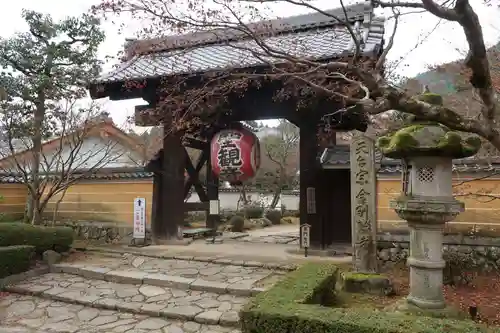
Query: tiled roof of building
<point x="339" y="156"/>
<point x="314" y="36"/>
<point x="102" y="174"/>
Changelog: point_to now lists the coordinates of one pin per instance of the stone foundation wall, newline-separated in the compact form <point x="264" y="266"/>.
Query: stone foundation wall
<point x="103" y="232"/>
<point x="473" y="252"/>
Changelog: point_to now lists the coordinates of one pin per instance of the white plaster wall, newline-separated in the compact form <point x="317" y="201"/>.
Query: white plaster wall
<point x="230" y="200"/>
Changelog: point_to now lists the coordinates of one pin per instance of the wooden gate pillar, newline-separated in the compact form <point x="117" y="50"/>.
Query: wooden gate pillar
<point x="156" y="210"/>
<point x="309" y="168"/>
<point x="172" y="190"/>
<point x="155" y="166"/>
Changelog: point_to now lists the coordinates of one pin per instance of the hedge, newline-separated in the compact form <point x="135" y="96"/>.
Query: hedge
<point x="15" y="259"/>
<point x="42" y="238"/>
<point x="254" y="212"/>
<point x="293" y="306"/>
<point x="274" y="216"/>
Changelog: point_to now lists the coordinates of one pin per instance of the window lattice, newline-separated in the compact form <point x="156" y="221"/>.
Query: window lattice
<point x="425" y="174"/>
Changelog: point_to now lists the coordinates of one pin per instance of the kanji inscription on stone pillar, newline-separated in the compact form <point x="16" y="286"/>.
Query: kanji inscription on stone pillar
<point x="363" y="204"/>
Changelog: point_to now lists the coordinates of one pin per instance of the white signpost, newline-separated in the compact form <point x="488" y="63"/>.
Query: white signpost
<point x="214" y="208"/>
<point x="305" y="237"/>
<point x="140" y="218"/>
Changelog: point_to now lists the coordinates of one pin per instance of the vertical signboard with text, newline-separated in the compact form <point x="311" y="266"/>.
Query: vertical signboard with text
<point x="139" y="218"/>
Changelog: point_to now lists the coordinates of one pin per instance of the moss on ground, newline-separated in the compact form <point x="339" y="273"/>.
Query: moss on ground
<point x="296" y="304"/>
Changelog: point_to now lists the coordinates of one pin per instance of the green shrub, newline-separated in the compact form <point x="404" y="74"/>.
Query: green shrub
<point x="42" y="238"/>
<point x="461" y="268"/>
<point x="237" y="223"/>
<point x="290" y="213"/>
<point x="227" y="214"/>
<point x="274" y="216"/>
<point x="15" y="259"/>
<point x="254" y="212"/>
<point x="294" y="305"/>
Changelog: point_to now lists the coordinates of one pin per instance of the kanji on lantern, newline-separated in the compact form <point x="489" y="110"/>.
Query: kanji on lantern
<point x="235" y="154"/>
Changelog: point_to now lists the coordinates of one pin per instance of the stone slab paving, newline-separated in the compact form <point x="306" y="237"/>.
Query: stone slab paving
<point x="289" y="238"/>
<point x="28" y="314"/>
<point x="190" y="269"/>
<point x="139" y="277"/>
<point x="191" y="305"/>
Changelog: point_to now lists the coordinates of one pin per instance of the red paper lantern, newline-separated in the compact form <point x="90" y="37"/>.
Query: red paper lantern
<point x="235" y="154"/>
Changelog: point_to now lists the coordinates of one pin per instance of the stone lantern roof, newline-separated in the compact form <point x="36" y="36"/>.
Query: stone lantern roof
<point x="428" y="139"/>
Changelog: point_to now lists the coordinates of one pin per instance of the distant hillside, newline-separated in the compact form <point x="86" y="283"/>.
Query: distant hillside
<point x="452" y="78"/>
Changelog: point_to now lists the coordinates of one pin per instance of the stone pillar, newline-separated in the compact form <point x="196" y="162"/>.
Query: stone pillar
<point x="363" y="204"/>
<point x="426" y="266"/>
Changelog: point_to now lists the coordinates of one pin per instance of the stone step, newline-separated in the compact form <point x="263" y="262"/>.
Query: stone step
<point x="28" y="314"/>
<point x="130" y="275"/>
<point x="158" y="301"/>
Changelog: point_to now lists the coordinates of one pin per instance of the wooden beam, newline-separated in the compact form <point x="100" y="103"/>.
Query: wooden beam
<point x="193" y="173"/>
<point x="195" y="143"/>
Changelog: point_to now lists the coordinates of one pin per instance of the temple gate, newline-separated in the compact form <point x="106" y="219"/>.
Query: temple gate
<point x="151" y="69"/>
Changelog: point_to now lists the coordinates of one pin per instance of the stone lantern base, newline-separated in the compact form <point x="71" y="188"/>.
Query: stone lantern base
<point x="404" y="307"/>
<point x="426" y="219"/>
<point x="426" y="266"/>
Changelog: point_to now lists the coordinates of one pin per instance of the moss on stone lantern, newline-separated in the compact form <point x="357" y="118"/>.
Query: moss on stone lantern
<point x="422" y="138"/>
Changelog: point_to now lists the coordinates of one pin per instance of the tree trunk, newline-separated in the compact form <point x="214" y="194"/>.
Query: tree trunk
<point x="243" y="197"/>
<point x="28" y="216"/>
<point x="37" y="151"/>
<point x="276" y="197"/>
<point x="279" y="186"/>
<point x="56" y="208"/>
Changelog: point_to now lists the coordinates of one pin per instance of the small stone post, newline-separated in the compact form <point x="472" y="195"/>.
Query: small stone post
<point x="427" y="201"/>
<point x="363" y="204"/>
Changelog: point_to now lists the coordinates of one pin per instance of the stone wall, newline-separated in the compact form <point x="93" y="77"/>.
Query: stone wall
<point x="103" y="232"/>
<point x="473" y="252"/>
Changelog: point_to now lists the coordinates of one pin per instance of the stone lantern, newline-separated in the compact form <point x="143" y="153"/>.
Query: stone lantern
<point x="427" y="201"/>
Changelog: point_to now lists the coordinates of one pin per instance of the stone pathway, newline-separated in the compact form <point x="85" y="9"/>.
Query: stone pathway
<point x="26" y="314"/>
<point x="183" y="268"/>
<point x="133" y="294"/>
<point x="203" y="307"/>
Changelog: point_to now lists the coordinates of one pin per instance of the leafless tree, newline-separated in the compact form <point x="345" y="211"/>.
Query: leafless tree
<point x="282" y="151"/>
<point x="67" y="155"/>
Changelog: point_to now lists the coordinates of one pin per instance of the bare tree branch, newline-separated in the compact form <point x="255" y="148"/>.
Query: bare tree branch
<point x="349" y="81"/>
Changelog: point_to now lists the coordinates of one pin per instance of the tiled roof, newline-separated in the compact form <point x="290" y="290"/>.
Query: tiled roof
<point x="314" y="36"/>
<point x="103" y="174"/>
<point x="339" y="156"/>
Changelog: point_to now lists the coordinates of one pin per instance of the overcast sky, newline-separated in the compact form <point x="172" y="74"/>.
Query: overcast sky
<point x="435" y="45"/>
